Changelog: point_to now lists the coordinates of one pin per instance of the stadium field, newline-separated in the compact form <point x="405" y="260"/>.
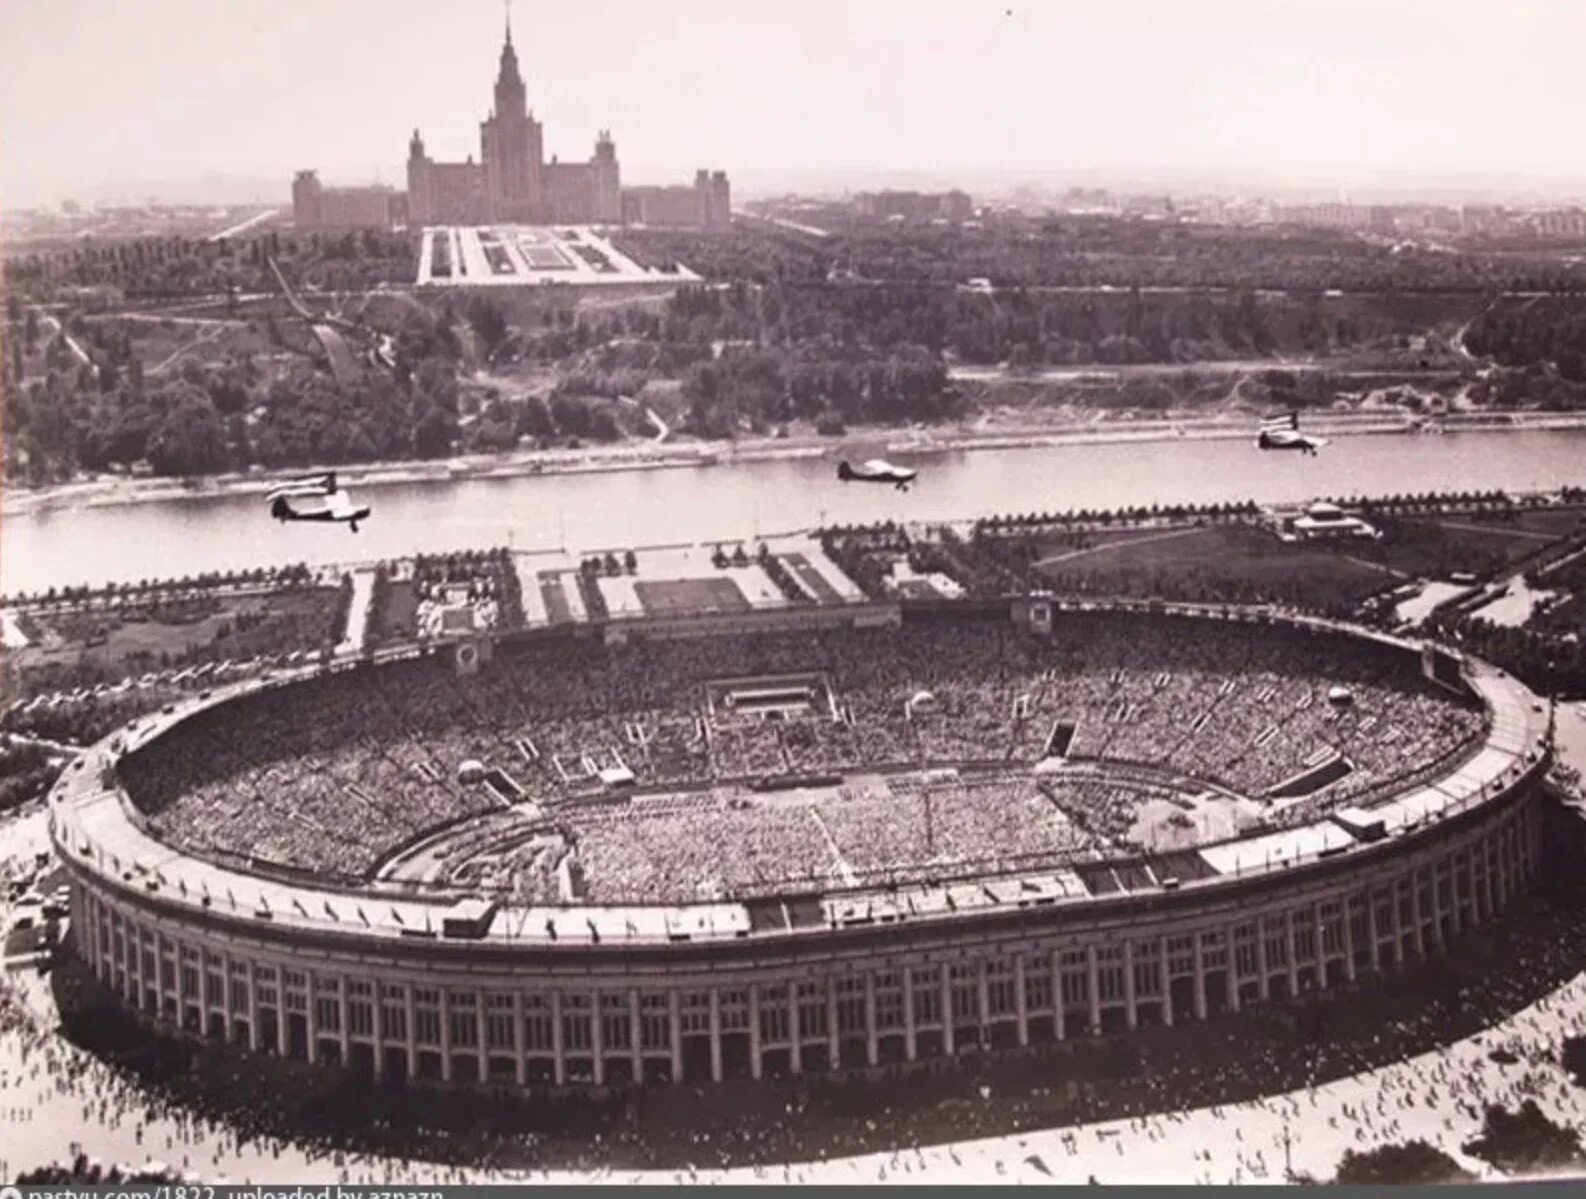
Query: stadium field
<point x="675" y="597"/>
<point x="557" y="609"/>
<point x="811" y="579"/>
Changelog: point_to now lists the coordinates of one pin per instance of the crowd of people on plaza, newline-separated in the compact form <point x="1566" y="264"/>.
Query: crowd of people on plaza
<point x="335" y="773"/>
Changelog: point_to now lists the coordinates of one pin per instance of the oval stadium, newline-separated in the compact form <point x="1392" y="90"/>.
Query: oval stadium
<point x="775" y="843"/>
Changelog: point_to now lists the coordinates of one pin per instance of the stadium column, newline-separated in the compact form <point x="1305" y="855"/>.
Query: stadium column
<point x="313" y="1016"/>
<point x="1294" y="961"/>
<point x="1489" y="877"/>
<point x="229" y="1012"/>
<point x="205" y="1001"/>
<point x="1093" y="988"/>
<point x="635" y="1037"/>
<point x="1263" y="962"/>
<point x="872" y="1041"/>
<point x="1200" y="978"/>
<point x="446" y="1034"/>
<point x="754" y="1030"/>
<point x="411" y="1027"/>
<point x="1349" y="939"/>
<point x="833" y="1043"/>
<point x="1021" y="1008"/>
<point x="1437" y="898"/>
<point x="795" y="1034"/>
<point x="1130" y="1016"/>
<point x="675" y="1021"/>
<point x="180" y="980"/>
<point x="481" y="1019"/>
<point x="559" y="1059"/>
<point x="283" y="1020"/>
<point x="1320" y="953"/>
<point x="1397" y="922"/>
<point x="346" y="1033"/>
<point x="520" y="1065"/>
<point x="1494" y="873"/>
<point x="1373" y="935"/>
<point x="1059" y="1004"/>
<point x="1167" y="986"/>
<point x="1468" y="914"/>
<point x="982" y="999"/>
<point x="946" y="983"/>
<point x="910" y="1041"/>
<point x="253" y="1009"/>
<point x="203" y="990"/>
<point x="1418" y="913"/>
<point x="597" y="1038"/>
<point x="1463" y="870"/>
<point x="715" y="1034"/>
<point x="1231" y="972"/>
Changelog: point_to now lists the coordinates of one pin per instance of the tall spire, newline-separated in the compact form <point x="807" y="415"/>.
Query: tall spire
<point x="510" y="97"/>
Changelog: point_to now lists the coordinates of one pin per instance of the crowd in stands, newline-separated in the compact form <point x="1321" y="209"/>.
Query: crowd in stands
<point x="335" y="773"/>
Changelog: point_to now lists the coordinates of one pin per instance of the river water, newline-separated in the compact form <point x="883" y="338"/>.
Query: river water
<point x="733" y="501"/>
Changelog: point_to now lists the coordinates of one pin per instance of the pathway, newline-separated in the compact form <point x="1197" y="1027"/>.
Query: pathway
<point x="243" y="226"/>
<point x="1130" y="543"/>
<point x="358" y="612"/>
<point x="71" y="342"/>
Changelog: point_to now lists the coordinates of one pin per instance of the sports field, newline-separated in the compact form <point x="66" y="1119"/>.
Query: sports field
<point x="678" y="597"/>
<point x="811" y="579"/>
<point x="557" y="609"/>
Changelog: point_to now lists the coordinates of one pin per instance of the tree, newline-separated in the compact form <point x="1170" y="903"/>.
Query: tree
<point x="436" y="381"/>
<point x="571" y="415"/>
<point x="433" y="434"/>
<point x="1525" y="1141"/>
<point x="534" y="418"/>
<point x="488" y="324"/>
<point x="1414" y="1162"/>
<point x="189" y="441"/>
<point x="603" y="425"/>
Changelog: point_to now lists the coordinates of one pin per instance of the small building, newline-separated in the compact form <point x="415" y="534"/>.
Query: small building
<point x="1323" y="521"/>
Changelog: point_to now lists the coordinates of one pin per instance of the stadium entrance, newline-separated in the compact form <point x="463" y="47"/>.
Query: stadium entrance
<point x="770" y="697"/>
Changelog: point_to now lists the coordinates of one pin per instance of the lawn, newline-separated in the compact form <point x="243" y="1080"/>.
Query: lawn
<point x="1251" y="563"/>
<point x="118" y="641"/>
<point x="395" y="613"/>
<point x="672" y="597"/>
<point x="1233" y="562"/>
<point x="1435" y="547"/>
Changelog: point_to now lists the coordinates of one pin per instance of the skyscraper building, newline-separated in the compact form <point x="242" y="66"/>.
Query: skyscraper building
<point x="512" y="183"/>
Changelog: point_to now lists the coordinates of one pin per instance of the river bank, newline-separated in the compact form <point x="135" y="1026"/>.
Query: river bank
<point x="116" y="491"/>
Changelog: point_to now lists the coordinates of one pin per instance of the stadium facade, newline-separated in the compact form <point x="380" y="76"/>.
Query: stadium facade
<point x="464" y="988"/>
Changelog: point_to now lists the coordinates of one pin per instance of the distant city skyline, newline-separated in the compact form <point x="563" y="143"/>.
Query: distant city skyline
<point x="192" y="100"/>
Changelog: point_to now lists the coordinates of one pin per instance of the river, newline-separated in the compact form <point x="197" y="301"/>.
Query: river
<point x="122" y="543"/>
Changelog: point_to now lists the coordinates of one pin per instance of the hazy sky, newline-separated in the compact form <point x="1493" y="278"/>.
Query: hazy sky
<point x="96" y="91"/>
